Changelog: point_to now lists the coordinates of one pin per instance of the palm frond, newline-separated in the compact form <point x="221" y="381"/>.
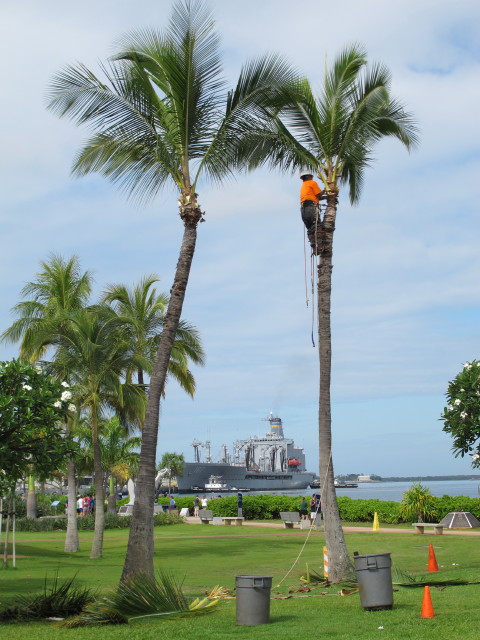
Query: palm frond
<point x="140" y="598"/>
<point x="403" y="578"/>
<point x="60" y="599"/>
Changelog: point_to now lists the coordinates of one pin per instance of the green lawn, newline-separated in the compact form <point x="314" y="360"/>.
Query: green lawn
<point x="209" y="556"/>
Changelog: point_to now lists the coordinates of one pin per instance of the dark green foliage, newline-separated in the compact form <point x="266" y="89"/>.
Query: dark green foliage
<point x="47" y="524"/>
<point x="461" y="416"/>
<point x="267" y="507"/>
<point x="33" y="411"/>
<point x="363" y="510"/>
<point x="59" y="601"/>
<point x="112" y="521"/>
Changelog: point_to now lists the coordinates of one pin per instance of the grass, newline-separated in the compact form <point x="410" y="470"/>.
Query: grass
<point x="209" y="556"/>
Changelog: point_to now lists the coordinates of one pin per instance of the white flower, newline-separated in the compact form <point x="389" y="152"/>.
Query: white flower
<point x="65" y="384"/>
<point x="475" y="456"/>
<point x="467" y="366"/>
<point x="462" y="389"/>
<point x="57" y="404"/>
<point x="66" y="395"/>
<point x="457" y="402"/>
<point x="27" y="387"/>
<point x="463" y="415"/>
<point x="38" y="369"/>
<point x="450" y="408"/>
<point x="72" y="407"/>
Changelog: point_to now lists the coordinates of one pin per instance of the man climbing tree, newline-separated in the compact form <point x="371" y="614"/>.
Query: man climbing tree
<point x="333" y="134"/>
<point x="310" y="196"/>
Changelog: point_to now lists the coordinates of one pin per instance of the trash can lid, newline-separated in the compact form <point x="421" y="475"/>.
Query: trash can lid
<point x="253" y="581"/>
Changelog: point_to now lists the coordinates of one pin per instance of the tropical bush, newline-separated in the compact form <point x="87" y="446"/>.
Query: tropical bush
<point x="268" y="507"/>
<point x="112" y="521"/>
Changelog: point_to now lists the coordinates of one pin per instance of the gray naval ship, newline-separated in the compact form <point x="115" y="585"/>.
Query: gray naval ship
<point x="268" y="463"/>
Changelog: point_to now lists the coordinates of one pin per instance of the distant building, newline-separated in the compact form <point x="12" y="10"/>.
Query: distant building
<point x="364" y="479"/>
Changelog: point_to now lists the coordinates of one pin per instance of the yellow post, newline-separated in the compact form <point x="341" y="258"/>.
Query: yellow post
<point x="376" y="525"/>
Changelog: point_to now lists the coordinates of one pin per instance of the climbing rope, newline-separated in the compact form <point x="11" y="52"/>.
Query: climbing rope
<point x="305" y="262"/>
<point x="322" y="486"/>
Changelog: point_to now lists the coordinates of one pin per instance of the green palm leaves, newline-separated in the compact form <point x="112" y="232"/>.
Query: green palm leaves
<point x="58" y="292"/>
<point x="142" y="597"/>
<point x="334" y="132"/>
<point x="161" y="113"/>
<point x="417" y="502"/>
<point x="141" y="312"/>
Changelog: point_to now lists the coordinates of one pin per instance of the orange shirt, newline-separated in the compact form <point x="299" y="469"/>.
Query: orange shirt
<point x="309" y="191"/>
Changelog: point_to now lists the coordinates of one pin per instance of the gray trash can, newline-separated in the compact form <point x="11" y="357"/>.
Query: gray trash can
<point x="374" y="575"/>
<point x="253" y="599"/>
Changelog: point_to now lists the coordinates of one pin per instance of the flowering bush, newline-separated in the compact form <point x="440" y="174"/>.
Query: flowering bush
<point x="462" y="415"/>
<point x="32" y="418"/>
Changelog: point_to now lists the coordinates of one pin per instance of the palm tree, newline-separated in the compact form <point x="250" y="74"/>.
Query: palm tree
<point x="95" y="354"/>
<point x="59" y="291"/>
<point x="175" y="464"/>
<point x="161" y="116"/>
<point x="141" y="310"/>
<point x="333" y="134"/>
<point x="118" y="450"/>
<point x="417" y="502"/>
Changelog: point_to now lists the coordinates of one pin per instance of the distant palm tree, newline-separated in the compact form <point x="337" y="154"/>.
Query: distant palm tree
<point x="141" y="311"/>
<point x="161" y="116"/>
<point x="95" y="355"/>
<point x="59" y="291"/>
<point x="333" y="134"/>
<point x="175" y="465"/>
<point x="418" y="503"/>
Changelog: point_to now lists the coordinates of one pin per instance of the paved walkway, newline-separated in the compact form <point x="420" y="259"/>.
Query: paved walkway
<point x="279" y="525"/>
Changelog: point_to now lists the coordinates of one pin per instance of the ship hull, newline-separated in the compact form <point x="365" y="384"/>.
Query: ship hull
<point x="237" y="477"/>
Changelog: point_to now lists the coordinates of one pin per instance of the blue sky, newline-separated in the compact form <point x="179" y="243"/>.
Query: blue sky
<point x="405" y="307"/>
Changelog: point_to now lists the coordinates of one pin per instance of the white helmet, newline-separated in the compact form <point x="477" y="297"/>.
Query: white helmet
<point x="305" y="172"/>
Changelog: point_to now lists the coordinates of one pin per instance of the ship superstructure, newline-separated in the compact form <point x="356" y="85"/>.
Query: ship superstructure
<point x="269" y="462"/>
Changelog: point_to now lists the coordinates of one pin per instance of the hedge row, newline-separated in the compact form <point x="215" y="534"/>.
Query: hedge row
<point x="112" y="521"/>
<point x="267" y="507"/>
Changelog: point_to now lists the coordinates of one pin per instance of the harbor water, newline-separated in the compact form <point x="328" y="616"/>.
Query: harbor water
<point x="388" y="490"/>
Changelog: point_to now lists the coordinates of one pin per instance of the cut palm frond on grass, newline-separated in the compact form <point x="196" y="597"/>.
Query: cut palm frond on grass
<point x="59" y="600"/>
<point x="142" y="598"/>
<point x="315" y="578"/>
<point x="219" y="592"/>
<point x="405" y="579"/>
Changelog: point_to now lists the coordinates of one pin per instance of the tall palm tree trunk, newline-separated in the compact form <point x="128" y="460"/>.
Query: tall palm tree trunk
<point x="72" y="544"/>
<point x="139" y="558"/>
<point x="97" y="544"/>
<point x="338" y="560"/>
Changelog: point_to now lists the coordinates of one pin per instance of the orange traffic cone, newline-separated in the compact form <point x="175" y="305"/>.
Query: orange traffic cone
<point x="427" y="606"/>
<point x="432" y="561"/>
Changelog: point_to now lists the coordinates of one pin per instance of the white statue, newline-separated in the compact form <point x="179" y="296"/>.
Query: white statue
<point x="131" y="491"/>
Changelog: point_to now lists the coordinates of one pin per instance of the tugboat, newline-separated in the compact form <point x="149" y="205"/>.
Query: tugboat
<point x="215" y="484"/>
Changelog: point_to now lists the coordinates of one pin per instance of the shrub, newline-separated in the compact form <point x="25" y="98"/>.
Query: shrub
<point x="87" y="523"/>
